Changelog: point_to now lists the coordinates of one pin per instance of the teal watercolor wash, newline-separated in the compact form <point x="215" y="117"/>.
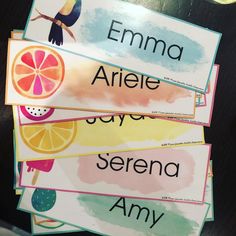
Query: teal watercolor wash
<point x="172" y="221"/>
<point x="43" y="200"/>
<point x="95" y="30"/>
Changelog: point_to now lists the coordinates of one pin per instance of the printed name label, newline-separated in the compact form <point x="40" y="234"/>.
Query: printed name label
<point x="131" y="37"/>
<point x="173" y="174"/>
<point x="48" y="77"/>
<point x="117" y="215"/>
<point x="137" y="132"/>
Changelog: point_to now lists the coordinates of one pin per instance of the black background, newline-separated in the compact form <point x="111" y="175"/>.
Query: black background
<point x="222" y="134"/>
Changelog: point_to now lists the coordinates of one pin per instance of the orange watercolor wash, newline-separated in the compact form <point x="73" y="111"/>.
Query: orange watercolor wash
<point x="37" y="72"/>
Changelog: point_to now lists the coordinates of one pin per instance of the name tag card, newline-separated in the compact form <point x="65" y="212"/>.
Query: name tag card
<point x="101" y="135"/>
<point x="41" y="76"/>
<point x="128" y="36"/>
<point x="204" y="111"/>
<point x="40" y="115"/>
<point x="116" y="215"/>
<point x="171" y="174"/>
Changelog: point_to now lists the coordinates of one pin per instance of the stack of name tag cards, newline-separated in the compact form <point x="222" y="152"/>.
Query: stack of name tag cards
<point x="109" y="101"/>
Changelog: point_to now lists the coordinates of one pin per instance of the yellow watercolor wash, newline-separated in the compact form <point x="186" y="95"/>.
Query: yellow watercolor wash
<point x="112" y="134"/>
<point x="116" y="133"/>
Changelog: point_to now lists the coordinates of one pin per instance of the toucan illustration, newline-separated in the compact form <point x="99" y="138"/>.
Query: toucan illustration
<point x="64" y="19"/>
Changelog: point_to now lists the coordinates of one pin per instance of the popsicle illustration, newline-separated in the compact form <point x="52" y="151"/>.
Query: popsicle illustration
<point x="37" y="166"/>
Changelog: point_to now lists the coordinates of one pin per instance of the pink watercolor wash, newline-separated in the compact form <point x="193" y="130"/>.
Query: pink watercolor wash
<point x="208" y="124"/>
<point x="143" y="183"/>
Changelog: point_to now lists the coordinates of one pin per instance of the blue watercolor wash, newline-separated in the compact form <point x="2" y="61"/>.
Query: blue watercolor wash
<point x="95" y="30"/>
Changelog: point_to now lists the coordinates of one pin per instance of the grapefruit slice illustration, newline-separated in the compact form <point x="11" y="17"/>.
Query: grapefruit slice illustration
<point x="37" y="72"/>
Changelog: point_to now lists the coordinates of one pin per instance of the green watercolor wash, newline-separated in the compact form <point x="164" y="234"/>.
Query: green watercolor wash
<point x="172" y="223"/>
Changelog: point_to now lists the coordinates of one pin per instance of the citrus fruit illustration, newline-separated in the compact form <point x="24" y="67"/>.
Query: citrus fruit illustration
<point x="36" y="113"/>
<point x="49" y="138"/>
<point x="43" y="199"/>
<point x="37" y="72"/>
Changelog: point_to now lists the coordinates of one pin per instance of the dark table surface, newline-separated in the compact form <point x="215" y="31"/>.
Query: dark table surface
<point x="222" y="134"/>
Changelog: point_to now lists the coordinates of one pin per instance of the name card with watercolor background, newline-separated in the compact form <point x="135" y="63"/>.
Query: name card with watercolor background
<point x="129" y="36"/>
<point x="38" y="223"/>
<point x="44" y="226"/>
<point x="204" y="112"/>
<point x="40" y="115"/>
<point x="42" y="76"/>
<point x="41" y="225"/>
<point x="101" y="135"/>
<point x="170" y="174"/>
<point x="116" y="215"/>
